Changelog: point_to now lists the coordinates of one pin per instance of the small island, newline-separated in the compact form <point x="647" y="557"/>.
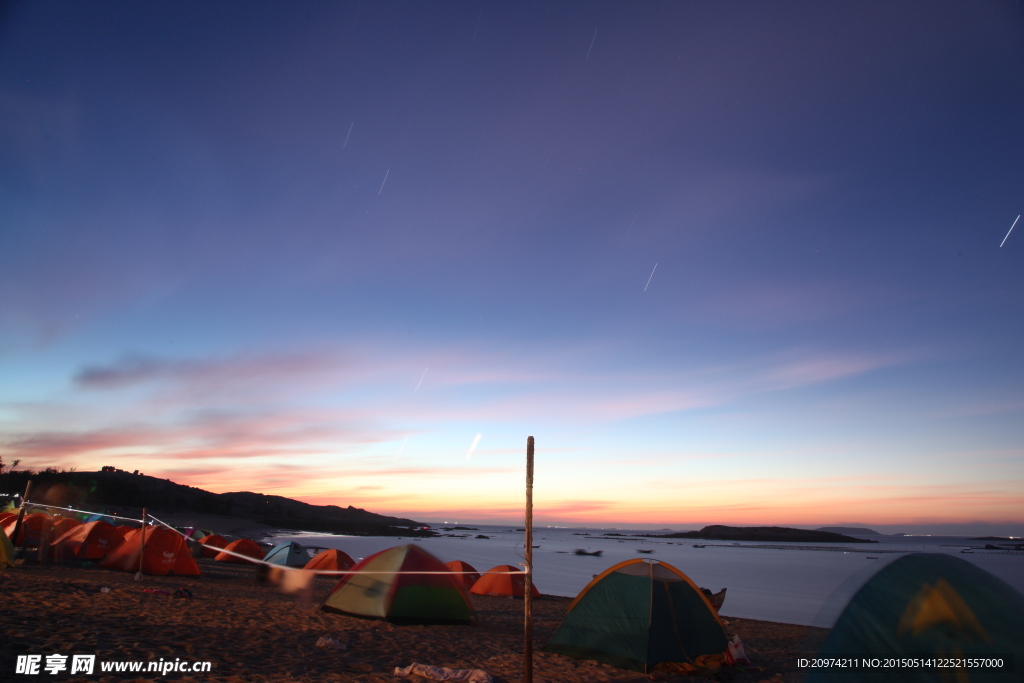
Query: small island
<point x="849" y="530"/>
<point x="764" y="534"/>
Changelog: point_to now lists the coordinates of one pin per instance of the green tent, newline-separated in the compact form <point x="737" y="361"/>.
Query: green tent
<point x="638" y="614"/>
<point x="928" y="606"/>
<point x="289" y="554"/>
<point x="405" y="585"/>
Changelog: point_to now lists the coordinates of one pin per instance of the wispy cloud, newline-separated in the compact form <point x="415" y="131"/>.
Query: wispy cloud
<point x="214" y="374"/>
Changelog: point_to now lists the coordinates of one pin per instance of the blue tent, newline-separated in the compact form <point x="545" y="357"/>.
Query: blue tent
<point x="928" y="606"/>
<point x="289" y="554"/>
<point x="101" y="518"/>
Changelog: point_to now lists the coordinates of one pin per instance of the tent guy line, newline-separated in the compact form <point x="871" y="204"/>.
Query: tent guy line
<point x="252" y="559"/>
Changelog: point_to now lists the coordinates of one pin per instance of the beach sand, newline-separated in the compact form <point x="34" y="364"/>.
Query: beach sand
<point x="254" y="632"/>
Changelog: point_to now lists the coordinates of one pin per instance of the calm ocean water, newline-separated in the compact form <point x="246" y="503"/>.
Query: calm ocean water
<point x="796" y="583"/>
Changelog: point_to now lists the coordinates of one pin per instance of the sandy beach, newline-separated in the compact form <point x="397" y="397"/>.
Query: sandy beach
<point x="253" y="632"/>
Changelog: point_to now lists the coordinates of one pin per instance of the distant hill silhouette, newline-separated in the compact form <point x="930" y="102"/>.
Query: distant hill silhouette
<point x="766" y="534"/>
<point x="853" y="530"/>
<point x="115" y="488"/>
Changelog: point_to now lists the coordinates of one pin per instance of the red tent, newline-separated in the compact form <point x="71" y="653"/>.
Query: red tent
<point x="503" y="580"/>
<point x="63" y="525"/>
<point x="89" y="541"/>
<point x="165" y="553"/>
<point x="468" y="580"/>
<point x="331" y="561"/>
<point x="33" y="528"/>
<point x="123" y="530"/>
<point x="211" y="543"/>
<point x="243" y="546"/>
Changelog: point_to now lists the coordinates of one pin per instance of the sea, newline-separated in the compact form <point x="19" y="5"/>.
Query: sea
<point x="793" y="583"/>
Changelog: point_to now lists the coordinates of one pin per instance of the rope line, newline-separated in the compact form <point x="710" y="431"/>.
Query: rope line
<point x="253" y="560"/>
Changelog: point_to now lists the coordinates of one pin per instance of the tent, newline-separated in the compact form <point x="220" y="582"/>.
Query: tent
<point x="289" y="554"/>
<point x="165" y="552"/>
<point x="123" y="529"/>
<point x="503" y="580"/>
<point x="33" y="528"/>
<point x="6" y="552"/>
<point x="89" y="541"/>
<point x="929" y="605"/>
<point x="212" y="543"/>
<point x="435" y="598"/>
<point x="637" y="614"/>
<point x="7" y="516"/>
<point x="331" y="561"/>
<point x="467" y="579"/>
<point x="63" y="525"/>
<point x="101" y="518"/>
<point x="243" y="546"/>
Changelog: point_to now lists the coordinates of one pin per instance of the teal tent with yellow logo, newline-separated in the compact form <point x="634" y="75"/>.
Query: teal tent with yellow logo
<point x="929" y="606"/>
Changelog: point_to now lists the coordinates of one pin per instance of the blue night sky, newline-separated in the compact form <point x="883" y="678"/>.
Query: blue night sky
<point x="731" y="262"/>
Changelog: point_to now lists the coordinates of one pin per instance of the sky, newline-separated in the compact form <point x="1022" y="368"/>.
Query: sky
<point x="729" y="263"/>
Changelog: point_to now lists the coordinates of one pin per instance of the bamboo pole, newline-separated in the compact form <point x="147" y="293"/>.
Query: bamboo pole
<point x="20" y="522"/>
<point x="142" y="548"/>
<point x="528" y="592"/>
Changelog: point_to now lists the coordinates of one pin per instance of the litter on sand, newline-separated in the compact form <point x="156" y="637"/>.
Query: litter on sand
<point x="330" y="644"/>
<point x="445" y="674"/>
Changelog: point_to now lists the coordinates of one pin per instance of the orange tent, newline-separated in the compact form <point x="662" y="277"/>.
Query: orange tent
<point x="331" y="561"/>
<point x="124" y="530"/>
<point x="468" y="580"/>
<point x="503" y="580"/>
<point x="89" y="541"/>
<point x="165" y="553"/>
<point x="243" y="546"/>
<point x="63" y="525"/>
<point x="212" y="541"/>
<point x="7" y="516"/>
<point x="33" y="528"/>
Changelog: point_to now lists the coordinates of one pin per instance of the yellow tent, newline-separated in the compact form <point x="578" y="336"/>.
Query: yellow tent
<point x="6" y="552"/>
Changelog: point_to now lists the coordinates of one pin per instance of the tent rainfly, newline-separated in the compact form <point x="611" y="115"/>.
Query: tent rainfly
<point x="504" y="580"/>
<point x="381" y="593"/>
<point x="468" y="580"/>
<point x="165" y="552"/>
<point x="89" y="541"/>
<point x="289" y="554"/>
<point x="638" y="614"/>
<point x="331" y="561"/>
<point x="242" y="546"/>
<point x="929" y="605"/>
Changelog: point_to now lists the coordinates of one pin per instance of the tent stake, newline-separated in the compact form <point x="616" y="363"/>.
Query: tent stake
<point x="21" y="517"/>
<point x="142" y="549"/>
<point x="528" y="592"/>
